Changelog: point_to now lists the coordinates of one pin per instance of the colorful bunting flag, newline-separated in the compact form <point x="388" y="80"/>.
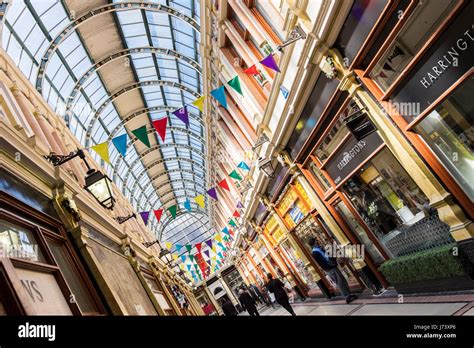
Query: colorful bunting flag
<point x="252" y="70"/>
<point x="220" y="255"/>
<point x="223" y="184"/>
<point x="173" y="210"/>
<point x="175" y="257"/>
<point x="187" y="204"/>
<point x="235" y="84"/>
<point x="235" y="175"/>
<point x="160" y="126"/>
<point x="284" y="92"/>
<point x="145" y="215"/>
<point x="200" y="200"/>
<point x="188" y="247"/>
<point x="269" y="62"/>
<point x="240" y="205"/>
<point x="189" y="267"/>
<point x="236" y="214"/>
<point x="120" y="144"/>
<point x="168" y="245"/>
<point x="198" y="247"/>
<point x="243" y="165"/>
<point x="213" y="193"/>
<point x="199" y="103"/>
<point x="209" y="243"/>
<point x="103" y="151"/>
<point x="218" y="238"/>
<point x="142" y="135"/>
<point x="182" y="114"/>
<point x="178" y="247"/>
<point x="206" y="252"/>
<point x="225" y="230"/>
<point x="232" y="223"/>
<point x="183" y="258"/>
<point x="158" y="213"/>
<point x="219" y="94"/>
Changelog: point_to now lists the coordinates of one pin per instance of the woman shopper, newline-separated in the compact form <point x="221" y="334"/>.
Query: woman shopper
<point x="276" y="287"/>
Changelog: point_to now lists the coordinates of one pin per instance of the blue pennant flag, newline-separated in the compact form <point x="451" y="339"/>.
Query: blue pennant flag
<point x="187" y="205"/>
<point x="219" y="94"/>
<point x="225" y="230"/>
<point x="183" y="258"/>
<point x="284" y="92"/>
<point x="120" y="144"/>
<point x="243" y="165"/>
<point x="178" y="247"/>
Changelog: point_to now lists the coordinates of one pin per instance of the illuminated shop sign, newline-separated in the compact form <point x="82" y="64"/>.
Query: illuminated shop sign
<point x="353" y="153"/>
<point x="445" y="62"/>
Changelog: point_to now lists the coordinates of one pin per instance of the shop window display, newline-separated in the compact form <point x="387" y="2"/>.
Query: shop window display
<point x="20" y="243"/>
<point x="449" y="132"/>
<point x="390" y="203"/>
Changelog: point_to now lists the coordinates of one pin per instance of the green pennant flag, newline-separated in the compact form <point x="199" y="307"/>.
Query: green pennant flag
<point x="142" y="135"/>
<point x="235" y="84"/>
<point x="191" y="257"/>
<point x="188" y="248"/>
<point x="235" y="175"/>
<point x="232" y="223"/>
<point x="226" y="239"/>
<point x="173" y="210"/>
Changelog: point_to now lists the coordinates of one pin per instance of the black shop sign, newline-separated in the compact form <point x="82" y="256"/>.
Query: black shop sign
<point x="353" y="153"/>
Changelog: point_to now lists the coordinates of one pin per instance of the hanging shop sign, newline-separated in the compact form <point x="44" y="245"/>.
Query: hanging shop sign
<point x="447" y="60"/>
<point x="360" y="125"/>
<point x="352" y="154"/>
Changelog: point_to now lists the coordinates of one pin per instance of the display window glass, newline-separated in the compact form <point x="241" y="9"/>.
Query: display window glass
<point x="306" y="272"/>
<point x="18" y="242"/>
<point x="420" y="26"/>
<point x="392" y="205"/>
<point x="449" y="132"/>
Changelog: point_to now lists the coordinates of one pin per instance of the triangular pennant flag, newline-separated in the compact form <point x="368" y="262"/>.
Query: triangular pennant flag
<point x="209" y="243"/>
<point x="187" y="205"/>
<point x="175" y="257"/>
<point x="213" y="193"/>
<point x="243" y="165"/>
<point x="231" y="232"/>
<point x="188" y="247"/>
<point x="199" y="103"/>
<point x="235" y="84"/>
<point x="158" y="213"/>
<point x="208" y="262"/>
<point x="218" y="238"/>
<point x="160" y="126"/>
<point x="168" y="245"/>
<point x="206" y="252"/>
<point x="269" y="62"/>
<point x="200" y="200"/>
<point x="252" y="70"/>
<point x="178" y="247"/>
<point x="183" y="258"/>
<point x="284" y="92"/>
<point x="225" y="230"/>
<point x="103" y="151"/>
<point x="189" y="267"/>
<point x="198" y="247"/>
<point x="226" y="238"/>
<point x="240" y="205"/>
<point x="173" y="210"/>
<point x="236" y="214"/>
<point x="142" y="135"/>
<point x="219" y="94"/>
<point x="232" y="223"/>
<point x="220" y="255"/>
<point x="120" y="144"/>
<point x="145" y="215"/>
<point x="191" y="257"/>
<point x="235" y="175"/>
<point x="223" y="184"/>
<point x="182" y="114"/>
<point x="221" y="245"/>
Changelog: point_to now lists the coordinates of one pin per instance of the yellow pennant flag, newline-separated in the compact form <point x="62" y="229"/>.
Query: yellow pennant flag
<point x="169" y="245"/>
<point x="175" y="256"/>
<point x="199" y="103"/>
<point x="103" y="151"/>
<point x="218" y="238"/>
<point x="200" y="200"/>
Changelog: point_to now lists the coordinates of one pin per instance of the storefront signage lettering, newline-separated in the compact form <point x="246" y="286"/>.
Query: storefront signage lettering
<point x="353" y="153"/>
<point x="448" y="60"/>
<point x="32" y="289"/>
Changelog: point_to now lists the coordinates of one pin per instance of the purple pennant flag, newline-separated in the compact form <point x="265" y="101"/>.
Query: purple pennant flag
<point x="212" y="192"/>
<point x="240" y="205"/>
<point x="209" y="243"/>
<point x="182" y="114"/>
<point x="207" y="253"/>
<point x="145" y="215"/>
<point x="269" y="62"/>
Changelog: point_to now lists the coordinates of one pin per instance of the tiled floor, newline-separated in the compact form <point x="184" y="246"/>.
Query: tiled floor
<point x="425" y="305"/>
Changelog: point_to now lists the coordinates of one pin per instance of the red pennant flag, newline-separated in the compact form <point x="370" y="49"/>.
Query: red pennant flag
<point x="160" y="126"/>
<point x="198" y="247"/>
<point x="158" y="213"/>
<point x="231" y="233"/>
<point x="224" y="184"/>
<point x="252" y="70"/>
<point x="236" y="214"/>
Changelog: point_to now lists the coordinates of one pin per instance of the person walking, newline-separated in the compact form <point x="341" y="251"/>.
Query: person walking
<point x="329" y="265"/>
<point x="228" y="308"/>
<point x="248" y="303"/>
<point x="276" y="287"/>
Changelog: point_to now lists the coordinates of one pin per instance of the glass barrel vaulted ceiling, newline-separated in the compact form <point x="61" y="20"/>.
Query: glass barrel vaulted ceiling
<point x="109" y="67"/>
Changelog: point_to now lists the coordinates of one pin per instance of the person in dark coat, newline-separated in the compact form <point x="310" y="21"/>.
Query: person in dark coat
<point x="276" y="287"/>
<point x="228" y="308"/>
<point x="248" y="303"/>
